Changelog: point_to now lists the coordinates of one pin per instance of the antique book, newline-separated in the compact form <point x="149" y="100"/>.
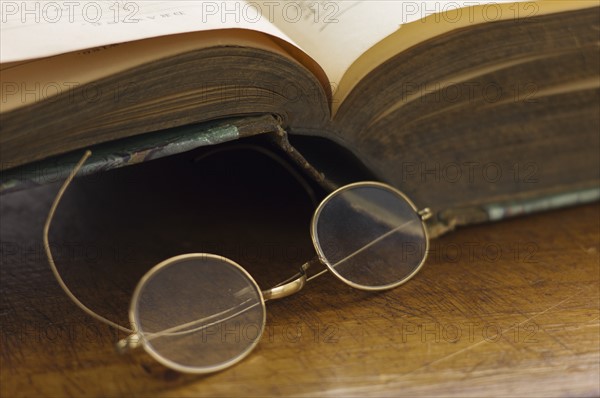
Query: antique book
<point x="478" y="112"/>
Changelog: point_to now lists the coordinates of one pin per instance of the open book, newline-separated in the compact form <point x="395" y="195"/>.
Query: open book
<point x="462" y="105"/>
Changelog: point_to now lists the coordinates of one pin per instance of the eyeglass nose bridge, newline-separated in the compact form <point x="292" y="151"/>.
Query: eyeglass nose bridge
<point x="289" y="288"/>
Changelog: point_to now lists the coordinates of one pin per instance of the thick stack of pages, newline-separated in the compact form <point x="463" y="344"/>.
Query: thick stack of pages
<point x="475" y="112"/>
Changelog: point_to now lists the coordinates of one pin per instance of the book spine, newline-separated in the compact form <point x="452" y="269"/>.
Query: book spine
<point x="135" y="150"/>
<point x="500" y="211"/>
<point x="447" y="220"/>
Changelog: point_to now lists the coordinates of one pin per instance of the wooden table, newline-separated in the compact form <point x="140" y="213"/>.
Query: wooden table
<point x="505" y="309"/>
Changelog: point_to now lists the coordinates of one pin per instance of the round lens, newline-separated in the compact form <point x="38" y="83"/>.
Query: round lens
<point x="198" y="313"/>
<point x="370" y="236"/>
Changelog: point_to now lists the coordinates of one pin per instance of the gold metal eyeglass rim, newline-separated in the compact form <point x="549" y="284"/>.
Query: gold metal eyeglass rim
<point x="286" y="288"/>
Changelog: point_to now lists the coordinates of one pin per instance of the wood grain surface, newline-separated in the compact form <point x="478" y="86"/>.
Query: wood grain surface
<point x="506" y="309"/>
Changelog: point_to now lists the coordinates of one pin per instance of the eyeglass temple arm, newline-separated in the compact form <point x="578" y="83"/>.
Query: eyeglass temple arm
<point x="50" y="257"/>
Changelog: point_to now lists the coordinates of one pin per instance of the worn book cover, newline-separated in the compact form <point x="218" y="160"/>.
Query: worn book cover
<point x="476" y="111"/>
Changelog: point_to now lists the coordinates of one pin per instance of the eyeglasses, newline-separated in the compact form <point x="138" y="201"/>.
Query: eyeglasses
<point x="201" y="313"/>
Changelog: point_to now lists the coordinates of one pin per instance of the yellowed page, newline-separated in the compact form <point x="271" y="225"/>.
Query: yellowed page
<point x="27" y="82"/>
<point x="41" y="28"/>
<point x="333" y="32"/>
<point x="347" y="38"/>
<point x="418" y="31"/>
<point x="337" y="32"/>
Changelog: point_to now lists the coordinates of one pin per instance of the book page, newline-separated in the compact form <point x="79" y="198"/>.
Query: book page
<point x="35" y="29"/>
<point x="337" y="32"/>
<point x="24" y="83"/>
<point x="333" y="32"/>
<point x="434" y="25"/>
